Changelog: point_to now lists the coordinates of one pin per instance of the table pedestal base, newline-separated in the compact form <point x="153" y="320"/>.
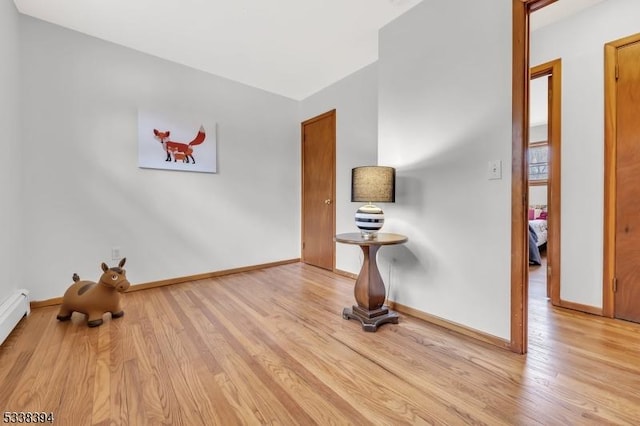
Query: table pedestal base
<point x="370" y="319"/>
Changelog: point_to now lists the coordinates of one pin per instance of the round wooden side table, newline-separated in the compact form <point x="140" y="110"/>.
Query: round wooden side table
<point x="369" y="290"/>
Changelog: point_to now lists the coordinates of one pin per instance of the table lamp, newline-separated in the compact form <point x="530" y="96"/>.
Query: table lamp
<point x="372" y="184"/>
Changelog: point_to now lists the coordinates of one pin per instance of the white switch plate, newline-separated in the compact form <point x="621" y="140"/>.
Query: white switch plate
<point x="495" y="169"/>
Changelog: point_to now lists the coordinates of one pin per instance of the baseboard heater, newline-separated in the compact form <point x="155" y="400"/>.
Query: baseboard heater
<point x="12" y="310"/>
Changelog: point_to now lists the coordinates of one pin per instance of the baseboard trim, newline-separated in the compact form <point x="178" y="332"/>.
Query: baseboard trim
<point x="178" y="280"/>
<point x="594" y="310"/>
<point x="207" y="275"/>
<point x="346" y="274"/>
<point x="44" y="303"/>
<point x="450" y="325"/>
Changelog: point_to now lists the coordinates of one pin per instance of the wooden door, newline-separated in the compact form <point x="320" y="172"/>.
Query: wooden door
<point x="627" y="216"/>
<point x="318" y="190"/>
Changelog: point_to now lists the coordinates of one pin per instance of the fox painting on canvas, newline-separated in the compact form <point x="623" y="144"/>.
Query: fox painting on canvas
<point x="179" y="150"/>
<point x="176" y="140"/>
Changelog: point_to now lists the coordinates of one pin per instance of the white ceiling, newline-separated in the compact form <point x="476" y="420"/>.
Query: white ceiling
<point x="290" y="47"/>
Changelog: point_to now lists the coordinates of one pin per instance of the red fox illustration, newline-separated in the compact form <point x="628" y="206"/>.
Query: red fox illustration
<point x="179" y="150"/>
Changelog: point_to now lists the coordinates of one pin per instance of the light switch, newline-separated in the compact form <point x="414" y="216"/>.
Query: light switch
<point x="495" y="169"/>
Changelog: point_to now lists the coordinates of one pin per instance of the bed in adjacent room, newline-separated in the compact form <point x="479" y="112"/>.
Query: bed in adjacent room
<point x="537" y="232"/>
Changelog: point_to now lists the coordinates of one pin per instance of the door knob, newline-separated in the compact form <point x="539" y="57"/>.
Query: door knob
<point x="327" y="201"/>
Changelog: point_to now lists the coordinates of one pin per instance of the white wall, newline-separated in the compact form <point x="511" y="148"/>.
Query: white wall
<point x="10" y="146"/>
<point x="537" y="195"/>
<point x="444" y="113"/>
<point x="579" y="41"/>
<point x="85" y="194"/>
<point x="538" y="133"/>
<point x="355" y="99"/>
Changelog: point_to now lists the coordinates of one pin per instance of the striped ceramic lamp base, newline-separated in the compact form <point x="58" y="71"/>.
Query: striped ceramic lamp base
<point x="369" y="219"/>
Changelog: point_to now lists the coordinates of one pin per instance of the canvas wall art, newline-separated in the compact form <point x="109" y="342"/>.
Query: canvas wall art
<point x="173" y="140"/>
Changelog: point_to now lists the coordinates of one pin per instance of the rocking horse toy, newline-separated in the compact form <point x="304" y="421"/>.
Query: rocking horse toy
<point x="94" y="299"/>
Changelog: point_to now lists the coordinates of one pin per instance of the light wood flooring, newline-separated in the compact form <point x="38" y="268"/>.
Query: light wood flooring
<point x="271" y="347"/>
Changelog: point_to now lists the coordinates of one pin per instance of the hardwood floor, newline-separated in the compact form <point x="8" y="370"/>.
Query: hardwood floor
<point x="538" y="281"/>
<point x="271" y="347"/>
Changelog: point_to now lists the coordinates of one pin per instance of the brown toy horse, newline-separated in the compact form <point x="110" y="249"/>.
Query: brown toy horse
<point x="94" y="299"/>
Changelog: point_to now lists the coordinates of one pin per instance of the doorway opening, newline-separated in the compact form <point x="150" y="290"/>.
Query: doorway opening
<point x="544" y="166"/>
<point x="538" y="193"/>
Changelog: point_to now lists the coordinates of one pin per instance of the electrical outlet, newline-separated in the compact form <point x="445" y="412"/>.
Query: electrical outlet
<point x="115" y="253"/>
